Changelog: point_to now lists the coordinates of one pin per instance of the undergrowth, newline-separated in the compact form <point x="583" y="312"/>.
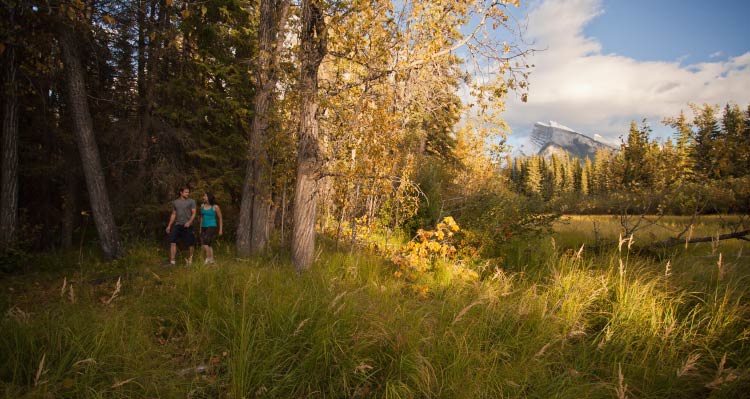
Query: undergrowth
<point x="546" y="322"/>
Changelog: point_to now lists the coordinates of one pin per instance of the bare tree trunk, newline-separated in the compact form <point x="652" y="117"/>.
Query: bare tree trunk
<point x="9" y="189"/>
<point x="90" y="161"/>
<point x="313" y="40"/>
<point x="254" y="218"/>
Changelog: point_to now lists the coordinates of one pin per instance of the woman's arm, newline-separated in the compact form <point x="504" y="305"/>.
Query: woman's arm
<point x="221" y="221"/>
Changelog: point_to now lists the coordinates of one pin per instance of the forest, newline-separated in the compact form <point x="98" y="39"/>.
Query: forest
<point x="379" y="237"/>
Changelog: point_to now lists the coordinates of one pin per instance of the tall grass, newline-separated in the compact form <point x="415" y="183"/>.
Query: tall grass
<point x="551" y="324"/>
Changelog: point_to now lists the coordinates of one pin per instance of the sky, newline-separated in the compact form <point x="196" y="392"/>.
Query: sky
<point x="607" y="62"/>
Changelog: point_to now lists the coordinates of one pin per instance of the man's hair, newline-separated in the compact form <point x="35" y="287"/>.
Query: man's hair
<point x="184" y="187"/>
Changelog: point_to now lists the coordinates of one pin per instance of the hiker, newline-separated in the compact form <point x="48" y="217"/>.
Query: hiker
<point x="183" y="214"/>
<point x="211" y="220"/>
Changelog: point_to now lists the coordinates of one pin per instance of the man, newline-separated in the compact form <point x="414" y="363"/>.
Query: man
<point x="183" y="214"/>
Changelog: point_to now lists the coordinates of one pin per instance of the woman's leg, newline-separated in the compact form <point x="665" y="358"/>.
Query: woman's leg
<point x="206" y="252"/>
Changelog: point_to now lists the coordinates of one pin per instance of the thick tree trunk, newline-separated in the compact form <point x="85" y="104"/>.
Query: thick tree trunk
<point x="254" y="218"/>
<point x="9" y="188"/>
<point x="90" y="161"/>
<point x="309" y="159"/>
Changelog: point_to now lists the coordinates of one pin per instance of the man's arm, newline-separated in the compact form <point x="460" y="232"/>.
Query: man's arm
<point x="171" y="220"/>
<point x="192" y="216"/>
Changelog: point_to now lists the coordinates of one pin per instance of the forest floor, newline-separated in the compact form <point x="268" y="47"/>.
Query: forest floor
<point x="547" y="322"/>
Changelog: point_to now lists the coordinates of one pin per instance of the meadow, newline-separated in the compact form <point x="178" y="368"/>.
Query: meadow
<point x="549" y="320"/>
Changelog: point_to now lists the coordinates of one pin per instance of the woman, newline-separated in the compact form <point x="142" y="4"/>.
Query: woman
<point x="210" y="221"/>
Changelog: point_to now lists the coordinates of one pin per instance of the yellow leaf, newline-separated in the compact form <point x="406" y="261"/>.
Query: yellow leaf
<point x="108" y="19"/>
<point x="169" y="3"/>
<point x="185" y="13"/>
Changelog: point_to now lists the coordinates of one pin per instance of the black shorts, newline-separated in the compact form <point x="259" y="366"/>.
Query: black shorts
<point x="180" y="233"/>
<point x="207" y="235"/>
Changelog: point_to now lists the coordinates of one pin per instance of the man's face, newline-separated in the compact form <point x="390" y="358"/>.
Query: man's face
<point x="185" y="193"/>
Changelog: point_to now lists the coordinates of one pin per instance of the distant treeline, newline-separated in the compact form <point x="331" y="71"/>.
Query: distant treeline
<point x="703" y="168"/>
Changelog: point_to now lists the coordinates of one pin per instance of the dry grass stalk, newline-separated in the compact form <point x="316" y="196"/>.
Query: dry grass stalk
<point x="464" y="310"/>
<point x="540" y="352"/>
<point x="689" y="236"/>
<point x="631" y="240"/>
<point x="622" y="268"/>
<point x="720" y="377"/>
<point x="721" y="266"/>
<point x="71" y="294"/>
<point x="670" y="329"/>
<point x="64" y="286"/>
<point x="620" y="241"/>
<point x="118" y="286"/>
<point x="580" y="252"/>
<point x="622" y="388"/>
<point x="362" y="368"/>
<point x="335" y="300"/>
<point x="689" y="364"/>
<point x="121" y="383"/>
<point x="715" y="243"/>
<point x="40" y="371"/>
<point x="90" y="360"/>
<point x="299" y="327"/>
<point x="554" y="244"/>
<point x="668" y="269"/>
<point x="17" y="314"/>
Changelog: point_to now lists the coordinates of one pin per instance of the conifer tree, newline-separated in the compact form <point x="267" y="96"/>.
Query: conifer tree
<point x="706" y="134"/>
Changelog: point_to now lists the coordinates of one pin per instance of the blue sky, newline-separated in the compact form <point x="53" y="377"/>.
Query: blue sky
<point x="607" y="62"/>
<point x="667" y="30"/>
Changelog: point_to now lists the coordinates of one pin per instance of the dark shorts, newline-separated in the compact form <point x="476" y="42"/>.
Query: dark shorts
<point x="182" y="234"/>
<point x="207" y="235"/>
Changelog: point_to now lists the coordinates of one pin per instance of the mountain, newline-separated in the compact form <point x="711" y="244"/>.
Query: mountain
<point x="554" y="138"/>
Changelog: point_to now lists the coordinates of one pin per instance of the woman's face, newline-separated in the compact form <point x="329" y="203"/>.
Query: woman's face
<point x="205" y="197"/>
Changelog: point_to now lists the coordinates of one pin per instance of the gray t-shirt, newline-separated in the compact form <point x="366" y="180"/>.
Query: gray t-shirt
<point x="184" y="209"/>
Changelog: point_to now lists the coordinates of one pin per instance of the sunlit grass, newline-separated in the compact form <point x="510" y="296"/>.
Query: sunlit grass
<point x="549" y="323"/>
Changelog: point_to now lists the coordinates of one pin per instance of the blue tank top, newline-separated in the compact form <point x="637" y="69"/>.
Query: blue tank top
<point x="209" y="217"/>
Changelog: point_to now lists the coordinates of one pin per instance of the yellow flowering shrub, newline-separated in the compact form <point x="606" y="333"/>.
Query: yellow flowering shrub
<point x="428" y="247"/>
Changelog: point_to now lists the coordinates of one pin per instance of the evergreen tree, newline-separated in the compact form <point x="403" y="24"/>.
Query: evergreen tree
<point x="685" y="147"/>
<point x="706" y="134"/>
<point x="634" y="155"/>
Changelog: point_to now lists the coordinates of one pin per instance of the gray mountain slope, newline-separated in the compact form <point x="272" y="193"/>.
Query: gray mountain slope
<point x="554" y="138"/>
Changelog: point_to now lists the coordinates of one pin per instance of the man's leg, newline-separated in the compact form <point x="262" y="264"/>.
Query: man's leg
<point x="191" y="249"/>
<point x="172" y="252"/>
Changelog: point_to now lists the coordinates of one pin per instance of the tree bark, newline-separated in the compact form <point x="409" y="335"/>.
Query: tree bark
<point x="90" y="161"/>
<point x="9" y="189"/>
<point x="313" y="40"/>
<point x="255" y="206"/>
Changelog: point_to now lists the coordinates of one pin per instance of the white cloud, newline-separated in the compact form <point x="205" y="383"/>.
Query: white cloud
<point x="576" y="84"/>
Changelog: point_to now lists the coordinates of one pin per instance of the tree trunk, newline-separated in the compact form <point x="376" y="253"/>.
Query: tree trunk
<point x="9" y="189"/>
<point x="313" y="41"/>
<point x="90" y="161"/>
<point x="254" y="218"/>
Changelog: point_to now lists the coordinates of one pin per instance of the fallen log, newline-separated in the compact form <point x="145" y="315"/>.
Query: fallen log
<point x="672" y="241"/>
